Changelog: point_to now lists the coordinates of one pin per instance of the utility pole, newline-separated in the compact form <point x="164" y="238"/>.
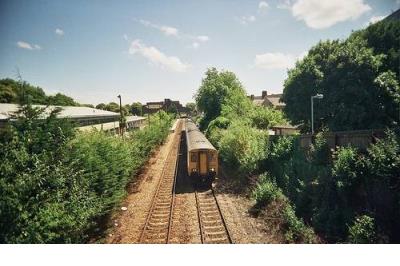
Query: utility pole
<point x="317" y="96"/>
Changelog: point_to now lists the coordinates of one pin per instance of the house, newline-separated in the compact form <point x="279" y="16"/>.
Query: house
<point x="271" y="100"/>
<point x="167" y="104"/>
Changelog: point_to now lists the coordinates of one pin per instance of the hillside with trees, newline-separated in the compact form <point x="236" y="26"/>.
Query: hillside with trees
<point x="12" y="91"/>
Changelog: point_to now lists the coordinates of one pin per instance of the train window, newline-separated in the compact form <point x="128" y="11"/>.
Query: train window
<point x="211" y="157"/>
<point x="193" y="158"/>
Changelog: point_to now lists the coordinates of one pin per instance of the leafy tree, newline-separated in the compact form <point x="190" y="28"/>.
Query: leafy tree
<point x="215" y="87"/>
<point x="346" y="74"/>
<point x="357" y="77"/>
<point x="266" y="117"/>
<point x="61" y="99"/>
<point x="12" y="91"/>
<point x="172" y="109"/>
<point x="384" y="38"/>
<point x="191" y="107"/>
<point x="7" y="94"/>
<point x="113" y="107"/>
<point x="87" y="105"/>
<point x="101" y="106"/>
<point x="136" y="108"/>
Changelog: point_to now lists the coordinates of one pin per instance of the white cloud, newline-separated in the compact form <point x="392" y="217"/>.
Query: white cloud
<point x="167" y="30"/>
<point x="246" y="19"/>
<point x="157" y="57"/>
<point x="284" y="4"/>
<point x="195" y="45"/>
<point x="375" y="19"/>
<point x="171" y="31"/>
<point x="28" y="46"/>
<point x="319" y="14"/>
<point x="274" y="61"/>
<point x="262" y="5"/>
<point x="203" y="38"/>
<point x="59" y="32"/>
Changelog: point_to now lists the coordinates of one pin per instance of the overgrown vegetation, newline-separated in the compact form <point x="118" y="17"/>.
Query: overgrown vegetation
<point x="332" y="192"/>
<point x="55" y="183"/>
<point x="356" y="76"/>
<point x="239" y="130"/>
<point x="232" y="123"/>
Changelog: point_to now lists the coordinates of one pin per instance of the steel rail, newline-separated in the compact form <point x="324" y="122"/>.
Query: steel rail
<point x="160" y="182"/>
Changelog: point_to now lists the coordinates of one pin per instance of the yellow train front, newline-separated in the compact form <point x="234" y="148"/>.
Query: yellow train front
<point x="202" y="157"/>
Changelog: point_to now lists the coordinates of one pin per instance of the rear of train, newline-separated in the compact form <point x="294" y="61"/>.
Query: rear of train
<point x="202" y="157"/>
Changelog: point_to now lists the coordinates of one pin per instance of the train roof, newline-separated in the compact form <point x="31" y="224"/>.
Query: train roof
<point x="195" y="139"/>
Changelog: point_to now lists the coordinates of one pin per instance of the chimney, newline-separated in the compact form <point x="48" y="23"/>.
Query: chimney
<point x="264" y="94"/>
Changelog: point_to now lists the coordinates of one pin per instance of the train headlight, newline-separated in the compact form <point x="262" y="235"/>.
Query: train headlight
<point x="212" y="170"/>
<point x="194" y="170"/>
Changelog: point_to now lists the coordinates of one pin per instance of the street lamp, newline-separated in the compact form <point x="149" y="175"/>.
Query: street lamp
<point x="120" y="114"/>
<point x="317" y="96"/>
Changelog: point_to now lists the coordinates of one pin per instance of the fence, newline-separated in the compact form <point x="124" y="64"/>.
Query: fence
<point x="358" y="138"/>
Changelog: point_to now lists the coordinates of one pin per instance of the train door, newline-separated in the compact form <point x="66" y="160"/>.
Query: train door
<point x="203" y="163"/>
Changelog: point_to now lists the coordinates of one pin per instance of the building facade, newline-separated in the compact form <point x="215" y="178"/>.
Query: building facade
<point x="166" y="105"/>
<point x="268" y="100"/>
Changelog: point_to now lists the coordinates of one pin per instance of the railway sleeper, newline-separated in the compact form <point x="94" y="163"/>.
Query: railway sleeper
<point x="215" y="234"/>
<point x="213" y="211"/>
<point x="162" y="207"/>
<point x="221" y="240"/>
<point x="216" y="228"/>
<point x="211" y="223"/>
<point x="160" y="216"/>
<point x="157" y="224"/>
<point x="210" y="217"/>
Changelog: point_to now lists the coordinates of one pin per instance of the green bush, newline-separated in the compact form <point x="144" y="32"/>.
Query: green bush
<point x="266" y="191"/>
<point x="242" y="148"/>
<point x="362" y="231"/>
<point x="296" y="230"/>
<point x="265" y="117"/>
<point x="56" y="183"/>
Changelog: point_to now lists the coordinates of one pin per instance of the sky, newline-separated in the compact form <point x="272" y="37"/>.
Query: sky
<point x="151" y="50"/>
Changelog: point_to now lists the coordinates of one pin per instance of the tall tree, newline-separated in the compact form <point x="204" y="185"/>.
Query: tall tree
<point x="214" y="89"/>
<point x="360" y="89"/>
<point x="136" y="108"/>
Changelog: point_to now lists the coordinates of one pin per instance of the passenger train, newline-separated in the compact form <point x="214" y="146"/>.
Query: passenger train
<point x="202" y="157"/>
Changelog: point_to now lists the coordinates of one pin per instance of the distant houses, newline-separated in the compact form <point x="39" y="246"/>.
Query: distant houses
<point x="167" y="105"/>
<point x="268" y="100"/>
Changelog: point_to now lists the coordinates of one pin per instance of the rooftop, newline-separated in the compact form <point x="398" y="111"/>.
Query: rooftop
<point x="73" y="112"/>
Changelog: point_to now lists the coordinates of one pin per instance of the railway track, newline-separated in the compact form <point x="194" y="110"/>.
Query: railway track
<point x="158" y="223"/>
<point x="212" y="224"/>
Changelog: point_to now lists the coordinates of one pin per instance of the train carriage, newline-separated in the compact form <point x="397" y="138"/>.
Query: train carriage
<point x="202" y="157"/>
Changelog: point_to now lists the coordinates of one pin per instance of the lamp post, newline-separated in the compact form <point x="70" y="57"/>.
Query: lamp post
<point x="317" y="96"/>
<point x="120" y="114"/>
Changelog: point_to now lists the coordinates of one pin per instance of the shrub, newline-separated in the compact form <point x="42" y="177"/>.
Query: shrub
<point x="55" y="184"/>
<point x="362" y="231"/>
<point x="242" y="147"/>
<point x="266" y="191"/>
<point x="296" y="230"/>
<point x="344" y="168"/>
<point x="265" y="117"/>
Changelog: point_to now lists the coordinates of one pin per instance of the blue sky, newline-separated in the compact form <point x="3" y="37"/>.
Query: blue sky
<point x="151" y="50"/>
